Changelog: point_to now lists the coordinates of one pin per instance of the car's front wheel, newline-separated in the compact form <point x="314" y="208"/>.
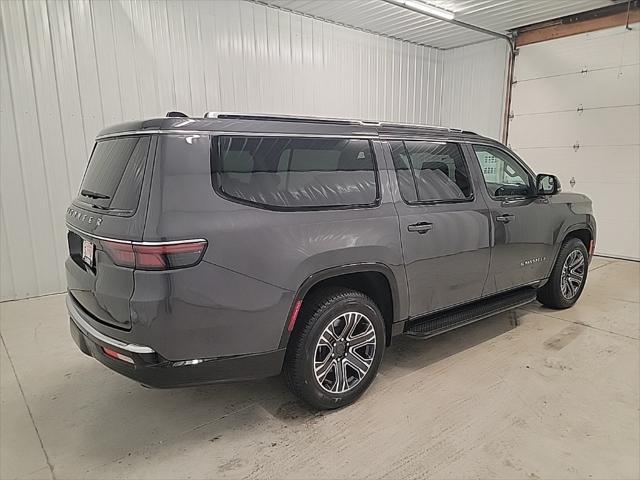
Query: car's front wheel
<point x="568" y="276"/>
<point x="336" y="348"/>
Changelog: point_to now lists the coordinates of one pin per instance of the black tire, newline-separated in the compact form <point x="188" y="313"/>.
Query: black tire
<point x="551" y="294"/>
<point x="318" y="313"/>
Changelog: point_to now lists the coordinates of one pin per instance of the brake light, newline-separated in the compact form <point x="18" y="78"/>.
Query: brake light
<point x="155" y="256"/>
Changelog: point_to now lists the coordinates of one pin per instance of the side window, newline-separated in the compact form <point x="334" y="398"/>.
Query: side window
<point x="296" y="173"/>
<point x="430" y="171"/>
<point x="504" y="176"/>
<point x="237" y="164"/>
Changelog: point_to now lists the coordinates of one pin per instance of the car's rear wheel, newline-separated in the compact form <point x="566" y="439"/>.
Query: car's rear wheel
<point x="568" y="276"/>
<point x="336" y="348"/>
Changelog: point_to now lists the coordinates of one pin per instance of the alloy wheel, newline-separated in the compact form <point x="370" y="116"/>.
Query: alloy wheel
<point x="345" y="352"/>
<point x="572" y="276"/>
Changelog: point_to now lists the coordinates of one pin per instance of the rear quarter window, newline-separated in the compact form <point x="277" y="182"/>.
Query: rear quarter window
<point x="295" y="173"/>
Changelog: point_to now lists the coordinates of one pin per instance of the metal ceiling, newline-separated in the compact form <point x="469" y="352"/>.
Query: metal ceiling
<point x="378" y="16"/>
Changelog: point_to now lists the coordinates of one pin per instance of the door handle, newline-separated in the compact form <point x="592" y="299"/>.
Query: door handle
<point x="420" y="227"/>
<point x="505" y="218"/>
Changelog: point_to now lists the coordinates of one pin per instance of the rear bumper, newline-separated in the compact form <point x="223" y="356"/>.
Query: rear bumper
<point x="151" y="369"/>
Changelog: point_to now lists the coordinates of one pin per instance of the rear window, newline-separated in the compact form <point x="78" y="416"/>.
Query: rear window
<point x="296" y="173"/>
<point x="113" y="179"/>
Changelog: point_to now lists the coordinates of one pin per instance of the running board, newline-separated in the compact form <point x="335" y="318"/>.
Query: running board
<point x="436" y="323"/>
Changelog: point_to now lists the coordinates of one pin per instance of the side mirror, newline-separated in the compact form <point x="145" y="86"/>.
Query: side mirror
<point x="547" y="184"/>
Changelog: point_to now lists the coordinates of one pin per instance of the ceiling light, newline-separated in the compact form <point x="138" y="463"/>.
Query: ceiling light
<point x="428" y="9"/>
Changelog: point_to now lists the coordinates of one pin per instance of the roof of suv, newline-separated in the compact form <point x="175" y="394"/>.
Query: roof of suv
<point x="176" y="122"/>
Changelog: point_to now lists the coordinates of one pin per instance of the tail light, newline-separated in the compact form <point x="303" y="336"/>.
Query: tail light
<point x="155" y="256"/>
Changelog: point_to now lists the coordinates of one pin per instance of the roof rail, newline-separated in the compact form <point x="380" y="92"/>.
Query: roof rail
<point x="416" y="125"/>
<point x="281" y="118"/>
<point x="177" y="114"/>
<point x="312" y="119"/>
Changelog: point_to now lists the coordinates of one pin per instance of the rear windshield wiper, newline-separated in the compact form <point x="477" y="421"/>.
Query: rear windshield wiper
<point x="100" y="207"/>
<point x="90" y="194"/>
<point x="109" y="209"/>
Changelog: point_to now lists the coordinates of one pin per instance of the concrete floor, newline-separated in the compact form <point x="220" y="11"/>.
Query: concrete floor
<point x="534" y="393"/>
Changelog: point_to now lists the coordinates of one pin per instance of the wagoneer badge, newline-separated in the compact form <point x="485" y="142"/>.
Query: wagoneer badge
<point x="532" y="261"/>
<point x="83" y="217"/>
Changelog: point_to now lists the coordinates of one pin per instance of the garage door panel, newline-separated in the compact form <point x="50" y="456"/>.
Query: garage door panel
<point x="613" y="241"/>
<point x="615" y="87"/>
<point x="561" y="162"/>
<point x="606" y="126"/>
<point x="609" y="164"/>
<point x="594" y="50"/>
<point x="616" y="203"/>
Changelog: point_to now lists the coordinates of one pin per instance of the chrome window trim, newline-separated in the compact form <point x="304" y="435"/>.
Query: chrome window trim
<point x="82" y="324"/>
<point x="131" y="242"/>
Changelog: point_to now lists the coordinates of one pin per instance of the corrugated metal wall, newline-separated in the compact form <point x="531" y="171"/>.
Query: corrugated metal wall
<point x="68" y="68"/>
<point x="474" y="87"/>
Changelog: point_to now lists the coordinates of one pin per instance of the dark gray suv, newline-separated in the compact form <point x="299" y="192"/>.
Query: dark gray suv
<point x="238" y="246"/>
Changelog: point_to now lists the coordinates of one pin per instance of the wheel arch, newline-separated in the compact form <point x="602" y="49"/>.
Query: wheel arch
<point x="364" y="277"/>
<point x="584" y="234"/>
<point x="582" y="231"/>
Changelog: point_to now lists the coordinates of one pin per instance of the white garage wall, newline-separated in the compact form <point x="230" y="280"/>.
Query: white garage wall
<point x="69" y="68"/>
<point x="474" y="87"/>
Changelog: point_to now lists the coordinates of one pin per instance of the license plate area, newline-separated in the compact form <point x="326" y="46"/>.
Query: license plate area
<point x="88" y="252"/>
